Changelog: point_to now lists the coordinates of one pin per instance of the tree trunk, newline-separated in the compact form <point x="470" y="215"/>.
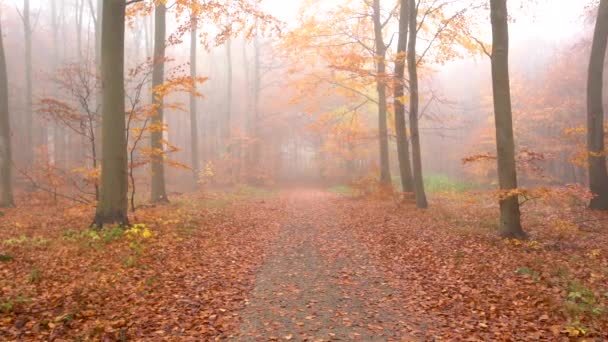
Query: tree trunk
<point x="385" y="173"/>
<point x="195" y="158"/>
<point x="112" y="205"/>
<point x="412" y="64"/>
<point x="96" y="13"/>
<point x="403" y="148"/>
<point x="510" y="225"/>
<point x="159" y="193"/>
<point x="598" y="174"/>
<point x="6" y="184"/>
<point x="227" y="118"/>
<point x="28" y="117"/>
<point x="257" y="83"/>
<point x="79" y="28"/>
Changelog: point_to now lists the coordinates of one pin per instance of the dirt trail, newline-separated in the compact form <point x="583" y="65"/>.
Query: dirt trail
<point x="318" y="284"/>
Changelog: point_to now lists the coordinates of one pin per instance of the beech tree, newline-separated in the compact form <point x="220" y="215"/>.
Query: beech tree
<point x="598" y="173"/>
<point x="6" y="185"/>
<point x="113" y="205"/>
<point x="159" y="192"/>
<point x="412" y="65"/>
<point x="510" y="224"/>
<point x="194" y="154"/>
<point x="385" y="173"/>
<point x="403" y="147"/>
<point x="28" y="115"/>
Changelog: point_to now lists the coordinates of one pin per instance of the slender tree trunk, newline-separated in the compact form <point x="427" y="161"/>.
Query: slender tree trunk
<point x="385" y="173"/>
<point x="228" y="115"/>
<point x="598" y="174"/>
<point x="96" y="13"/>
<point x="412" y="64"/>
<point x="28" y="117"/>
<point x="6" y="184"/>
<point x="403" y="148"/>
<point x="113" y="204"/>
<point x="159" y="193"/>
<point x="57" y="130"/>
<point x="257" y="83"/>
<point x="247" y="154"/>
<point x="79" y="28"/>
<point x="148" y="35"/>
<point x="195" y="157"/>
<point x="510" y="225"/>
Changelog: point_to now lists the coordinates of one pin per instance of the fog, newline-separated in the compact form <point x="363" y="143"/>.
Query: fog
<point x="290" y="107"/>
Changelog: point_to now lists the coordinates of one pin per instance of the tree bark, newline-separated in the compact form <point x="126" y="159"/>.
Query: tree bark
<point x="6" y="184"/>
<point x="598" y="173"/>
<point x="421" y="201"/>
<point x="112" y="205"/>
<point x="257" y="84"/>
<point x="28" y="117"/>
<point x="510" y="225"/>
<point x="158" y="193"/>
<point x="403" y="148"/>
<point x="385" y="173"/>
<point x="195" y="157"/>
<point x="228" y="114"/>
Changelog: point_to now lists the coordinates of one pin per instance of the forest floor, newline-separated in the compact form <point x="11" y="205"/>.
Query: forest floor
<point x="302" y="265"/>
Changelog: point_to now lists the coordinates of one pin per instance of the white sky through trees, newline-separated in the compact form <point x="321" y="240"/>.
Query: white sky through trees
<point x="554" y="19"/>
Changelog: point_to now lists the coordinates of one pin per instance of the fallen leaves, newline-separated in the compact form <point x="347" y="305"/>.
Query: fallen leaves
<point x="184" y="270"/>
<point x="464" y="281"/>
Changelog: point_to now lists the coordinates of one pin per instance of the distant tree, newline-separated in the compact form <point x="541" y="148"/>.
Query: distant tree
<point x="380" y="51"/>
<point x="598" y="173"/>
<point x="159" y="192"/>
<point x="112" y="206"/>
<point x="28" y="115"/>
<point x="510" y="224"/>
<point x="403" y="147"/>
<point x="195" y="157"/>
<point x="226" y="122"/>
<point x="412" y="65"/>
<point x="6" y="186"/>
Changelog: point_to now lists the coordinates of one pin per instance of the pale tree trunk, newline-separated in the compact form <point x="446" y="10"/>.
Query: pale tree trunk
<point x="598" y="174"/>
<point x="6" y="184"/>
<point x="510" y="224"/>
<point x="28" y="117"/>
<point x="58" y="133"/>
<point x="248" y="153"/>
<point x="412" y="65"/>
<point x="228" y="114"/>
<point x="79" y="28"/>
<point x="195" y="157"/>
<point x="112" y="205"/>
<point x="96" y="12"/>
<point x="257" y="83"/>
<point x="385" y="174"/>
<point x="159" y="193"/>
<point x="403" y="148"/>
<point x="148" y="28"/>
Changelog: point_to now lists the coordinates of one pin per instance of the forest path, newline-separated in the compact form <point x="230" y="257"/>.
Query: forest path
<point x="319" y="284"/>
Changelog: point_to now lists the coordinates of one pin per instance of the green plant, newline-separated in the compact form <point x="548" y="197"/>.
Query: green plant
<point x="342" y="190"/>
<point x="528" y="271"/>
<point x="16" y="240"/>
<point x="9" y="305"/>
<point x="436" y="183"/>
<point x="6" y="258"/>
<point x="35" y="276"/>
<point x="6" y="306"/>
<point x="130" y="261"/>
<point x="111" y="234"/>
<point x="581" y="302"/>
